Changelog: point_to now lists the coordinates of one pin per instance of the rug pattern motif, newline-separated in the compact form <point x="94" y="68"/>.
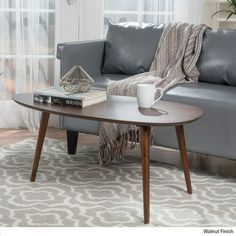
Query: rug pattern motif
<point x="75" y="191"/>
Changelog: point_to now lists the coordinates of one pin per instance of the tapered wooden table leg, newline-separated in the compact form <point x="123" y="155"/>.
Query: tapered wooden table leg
<point x="42" y="131"/>
<point x="184" y="156"/>
<point x="145" y="149"/>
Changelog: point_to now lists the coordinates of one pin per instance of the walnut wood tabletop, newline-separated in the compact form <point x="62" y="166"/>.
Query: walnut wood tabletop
<point x="123" y="110"/>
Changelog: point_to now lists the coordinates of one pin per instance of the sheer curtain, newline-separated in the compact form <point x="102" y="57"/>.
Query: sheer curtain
<point x="27" y="56"/>
<point x="153" y="11"/>
<point x="160" y="11"/>
<point x="29" y="32"/>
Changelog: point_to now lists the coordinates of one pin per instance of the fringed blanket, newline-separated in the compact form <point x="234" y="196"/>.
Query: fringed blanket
<point x="174" y="62"/>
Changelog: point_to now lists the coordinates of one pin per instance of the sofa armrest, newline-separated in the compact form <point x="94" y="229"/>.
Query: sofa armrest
<point x="88" y="54"/>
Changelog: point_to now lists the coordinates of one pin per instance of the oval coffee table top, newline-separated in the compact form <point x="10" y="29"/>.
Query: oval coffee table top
<point x="123" y="110"/>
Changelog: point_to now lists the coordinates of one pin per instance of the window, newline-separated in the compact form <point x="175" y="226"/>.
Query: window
<point x="27" y="45"/>
<point x="149" y="11"/>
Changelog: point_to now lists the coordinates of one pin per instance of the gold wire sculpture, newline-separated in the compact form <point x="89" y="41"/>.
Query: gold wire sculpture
<point x="76" y="80"/>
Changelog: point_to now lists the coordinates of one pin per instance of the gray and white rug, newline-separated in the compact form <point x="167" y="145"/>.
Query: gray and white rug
<point x="75" y="191"/>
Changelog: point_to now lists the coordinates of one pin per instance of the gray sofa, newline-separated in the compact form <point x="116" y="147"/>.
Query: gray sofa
<point x="128" y="50"/>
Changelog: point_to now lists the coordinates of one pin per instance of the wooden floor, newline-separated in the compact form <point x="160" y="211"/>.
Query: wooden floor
<point x="207" y="164"/>
<point x="15" y="135"/>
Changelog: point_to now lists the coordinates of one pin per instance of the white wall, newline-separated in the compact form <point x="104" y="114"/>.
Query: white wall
<point x="218" y="21"/>
<point x="67" y="29"/>
<point x="90" y="19"/>
<point x="79" y="20"/>
<point x="209" y="9"/>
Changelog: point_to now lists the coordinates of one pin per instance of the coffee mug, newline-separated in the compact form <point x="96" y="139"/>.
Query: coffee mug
<point x="146" y="95"/>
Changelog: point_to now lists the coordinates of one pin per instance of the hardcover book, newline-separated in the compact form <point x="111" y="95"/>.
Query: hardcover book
<point x="56" y="95"/>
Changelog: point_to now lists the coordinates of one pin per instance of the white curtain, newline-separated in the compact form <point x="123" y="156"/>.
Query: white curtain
<point x="29" y="33"/>
<point x="27" y="56"/>
<point x="154" y="11"/>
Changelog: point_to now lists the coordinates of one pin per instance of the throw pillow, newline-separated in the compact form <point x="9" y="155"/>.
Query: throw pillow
<point x="217" y="61"/>
<point x="130" y="47"/>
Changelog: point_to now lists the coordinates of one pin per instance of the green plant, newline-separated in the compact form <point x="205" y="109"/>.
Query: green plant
<point x="231" y="11"/>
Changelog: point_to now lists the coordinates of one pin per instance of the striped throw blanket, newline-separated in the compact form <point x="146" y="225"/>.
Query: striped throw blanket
<point x="174" y="62"/>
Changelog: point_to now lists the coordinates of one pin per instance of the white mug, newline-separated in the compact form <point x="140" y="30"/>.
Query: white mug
<point x="146" y="95"/>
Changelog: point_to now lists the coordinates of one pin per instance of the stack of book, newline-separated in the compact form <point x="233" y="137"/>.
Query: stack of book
<point x="58" y="96"/>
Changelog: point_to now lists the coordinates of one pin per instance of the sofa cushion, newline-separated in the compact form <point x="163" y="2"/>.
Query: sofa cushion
<point x="130" y="47"/>
<point x="103" y="80"/>
<point x="215" y="132"/>
<point x="217" y="61"/>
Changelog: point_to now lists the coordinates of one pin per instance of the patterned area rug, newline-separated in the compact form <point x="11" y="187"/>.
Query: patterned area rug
<point x="75" y="191"/>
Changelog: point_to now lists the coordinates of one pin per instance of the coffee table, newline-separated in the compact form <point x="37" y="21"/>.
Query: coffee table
<point x="123" y="110"/>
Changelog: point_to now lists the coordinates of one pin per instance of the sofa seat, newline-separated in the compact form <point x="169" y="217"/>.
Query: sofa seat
<point x="101" y="81"/>
<point x="219" y="105"/>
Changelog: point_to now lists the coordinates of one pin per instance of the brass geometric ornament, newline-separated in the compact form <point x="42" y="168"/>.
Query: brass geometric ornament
<point x="76" y="80"/>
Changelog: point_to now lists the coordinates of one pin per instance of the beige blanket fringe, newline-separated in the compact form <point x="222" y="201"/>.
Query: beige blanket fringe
<point x="174" y="62"/>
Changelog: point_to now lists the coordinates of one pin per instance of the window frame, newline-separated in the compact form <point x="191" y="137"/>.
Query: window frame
<point x="139" y="12"/>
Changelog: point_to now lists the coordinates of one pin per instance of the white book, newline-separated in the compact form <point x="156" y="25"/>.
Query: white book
<point x="59" y="92"/>
<point x="58" y="96"/>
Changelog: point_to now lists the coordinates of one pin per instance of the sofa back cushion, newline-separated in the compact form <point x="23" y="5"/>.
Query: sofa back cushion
<point x="130" y="47"/>
<point x="217" y="61"/>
